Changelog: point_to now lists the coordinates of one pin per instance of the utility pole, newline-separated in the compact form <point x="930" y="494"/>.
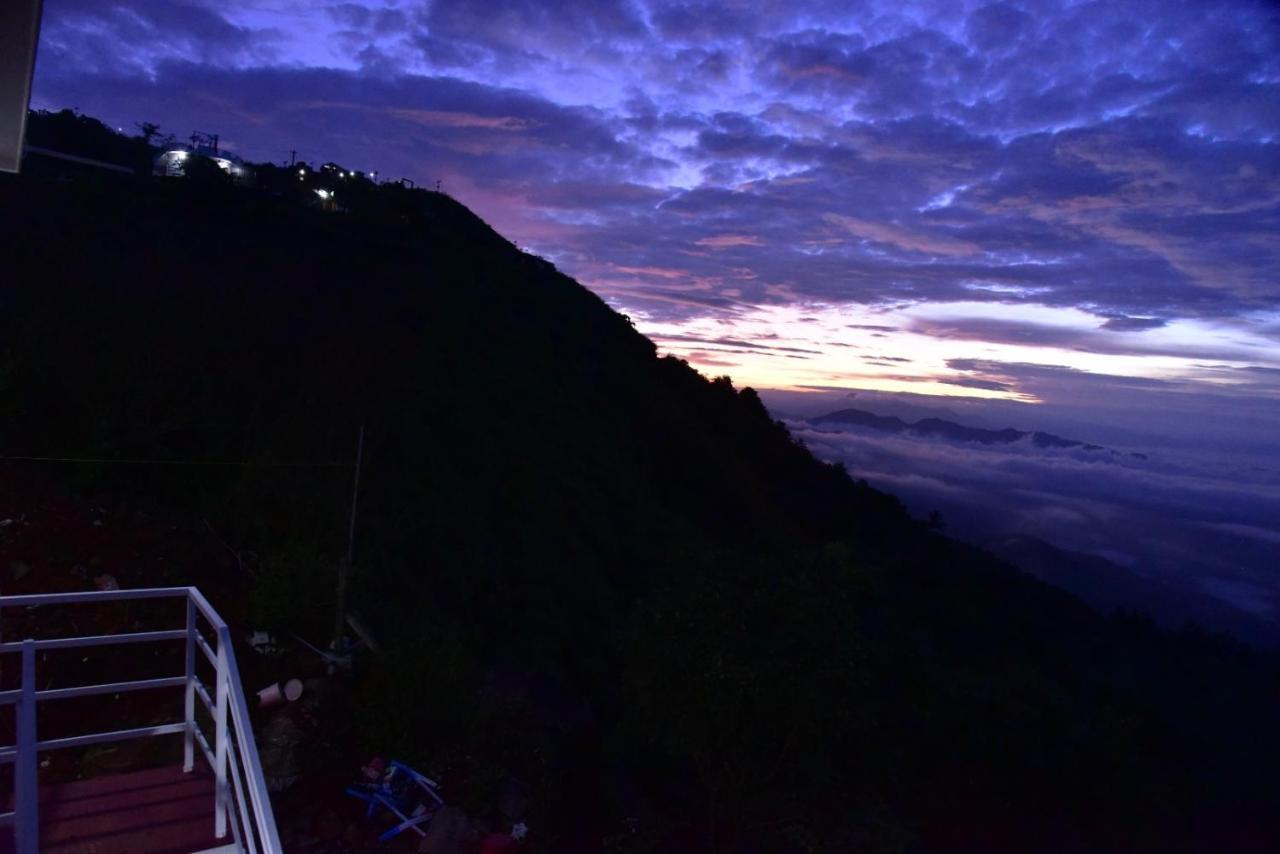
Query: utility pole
<point x="293" y="156"/>
<point x="344" y="568"/>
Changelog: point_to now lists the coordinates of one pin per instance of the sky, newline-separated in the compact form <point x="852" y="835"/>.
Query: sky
<point x="1055" y="207"/>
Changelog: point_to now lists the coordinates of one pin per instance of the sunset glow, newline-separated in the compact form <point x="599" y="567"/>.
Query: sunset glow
<point x="943" y="198"/>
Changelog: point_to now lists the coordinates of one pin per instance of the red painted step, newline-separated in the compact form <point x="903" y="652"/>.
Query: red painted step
<point x="158" y="811"/>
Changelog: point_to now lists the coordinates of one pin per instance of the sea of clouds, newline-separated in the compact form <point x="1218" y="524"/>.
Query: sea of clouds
<point x="1203" y="522"/>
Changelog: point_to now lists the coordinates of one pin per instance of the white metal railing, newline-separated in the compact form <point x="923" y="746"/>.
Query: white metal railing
<point x="239" y="787"/>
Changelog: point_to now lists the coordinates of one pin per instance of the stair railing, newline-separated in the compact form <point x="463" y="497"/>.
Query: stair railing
<point x="241" y="801"/>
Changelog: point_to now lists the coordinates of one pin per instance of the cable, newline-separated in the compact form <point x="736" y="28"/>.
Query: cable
<point x="5" y="458"/>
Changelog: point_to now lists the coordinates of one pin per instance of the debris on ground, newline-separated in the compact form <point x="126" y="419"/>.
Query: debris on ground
<point x="278" y="750"/>
<point x="339" y="655"/>
<point x="264" y="643"/>
<point x="373" y="770"/>
<point x="358" y="625"/>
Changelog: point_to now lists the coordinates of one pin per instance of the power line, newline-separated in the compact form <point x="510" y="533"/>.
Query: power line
<point x="129" y="461"/>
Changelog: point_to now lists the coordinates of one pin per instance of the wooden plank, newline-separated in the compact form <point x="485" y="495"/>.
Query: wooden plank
<point x="157" y="811"/>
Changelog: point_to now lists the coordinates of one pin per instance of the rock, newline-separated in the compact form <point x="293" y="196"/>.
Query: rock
<point x="450" y="832"/>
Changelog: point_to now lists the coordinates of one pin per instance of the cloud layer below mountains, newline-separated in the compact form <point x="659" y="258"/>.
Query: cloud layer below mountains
<point x="1201" y="522"/>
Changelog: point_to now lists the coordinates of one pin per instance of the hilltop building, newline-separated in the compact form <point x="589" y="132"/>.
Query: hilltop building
<point x="337" y="170"/>
<point x="171" y="162"/>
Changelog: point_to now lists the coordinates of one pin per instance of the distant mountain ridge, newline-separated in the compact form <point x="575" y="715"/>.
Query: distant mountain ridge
<point x="941" y="428"/>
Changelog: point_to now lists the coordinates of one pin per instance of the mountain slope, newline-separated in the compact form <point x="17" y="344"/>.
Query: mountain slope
<point x="1108" y="586"/>
<point x="590" y="566"/>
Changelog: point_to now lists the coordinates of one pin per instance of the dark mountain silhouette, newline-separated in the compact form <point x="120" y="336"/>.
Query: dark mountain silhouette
<point x="588" y="566"/>
<point x="942" y="429"/>
<point x="888" y="405"/>
<point x="1109" y="587"/>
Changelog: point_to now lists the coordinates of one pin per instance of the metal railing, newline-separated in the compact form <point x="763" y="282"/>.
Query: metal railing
<point x="241" y="802"/>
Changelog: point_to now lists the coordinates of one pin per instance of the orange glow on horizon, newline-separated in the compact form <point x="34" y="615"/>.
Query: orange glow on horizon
<point x="930" y="348"/>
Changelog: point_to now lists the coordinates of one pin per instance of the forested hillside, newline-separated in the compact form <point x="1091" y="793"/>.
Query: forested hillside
<point x="589" y="566"/>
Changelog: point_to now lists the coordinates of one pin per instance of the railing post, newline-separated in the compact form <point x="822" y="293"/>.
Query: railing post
<point x="220" y="752"/>
<point x="188" y="737"/>
<point x="26" y="809"/>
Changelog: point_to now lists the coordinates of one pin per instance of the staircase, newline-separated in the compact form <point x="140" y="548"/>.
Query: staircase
<point x="218" y="803"/>
<point x="157" y="810"/>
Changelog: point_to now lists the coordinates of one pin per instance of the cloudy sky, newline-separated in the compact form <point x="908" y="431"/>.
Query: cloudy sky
<point x="1065" y="203"/>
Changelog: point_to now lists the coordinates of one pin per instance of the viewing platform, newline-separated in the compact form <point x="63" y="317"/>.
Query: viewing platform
<point x="214" y="800"/>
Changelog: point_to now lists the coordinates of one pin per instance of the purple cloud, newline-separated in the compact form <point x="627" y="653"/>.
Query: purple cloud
<point x="1123" y="323"/>
<point x="1122" y="159"/>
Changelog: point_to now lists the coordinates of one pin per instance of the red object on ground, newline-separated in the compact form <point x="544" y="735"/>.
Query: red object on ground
<point x="497" y="843"/>
<point x="158" y="811"/>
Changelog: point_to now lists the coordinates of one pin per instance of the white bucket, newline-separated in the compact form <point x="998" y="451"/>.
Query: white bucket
<point x="277" y="693"/>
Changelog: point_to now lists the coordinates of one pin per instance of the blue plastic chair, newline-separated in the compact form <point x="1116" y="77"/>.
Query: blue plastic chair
<point x="410" y="796"/>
